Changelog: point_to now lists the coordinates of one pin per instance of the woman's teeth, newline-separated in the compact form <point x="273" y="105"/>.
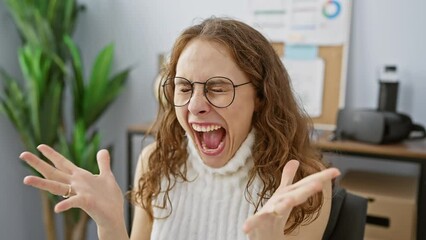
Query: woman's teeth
<point x="209" y="128"/>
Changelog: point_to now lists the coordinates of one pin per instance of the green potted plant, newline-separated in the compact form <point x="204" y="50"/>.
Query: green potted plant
<point x="51" y="63"/>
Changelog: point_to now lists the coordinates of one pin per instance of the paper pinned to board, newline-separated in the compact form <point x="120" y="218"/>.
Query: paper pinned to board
<point x="307" y="79"/>
<point x="270" y="16"/>
<point x="316" y="22"/>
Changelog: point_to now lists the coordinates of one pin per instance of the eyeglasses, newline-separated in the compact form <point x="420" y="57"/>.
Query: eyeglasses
<point x="219" y="91"/>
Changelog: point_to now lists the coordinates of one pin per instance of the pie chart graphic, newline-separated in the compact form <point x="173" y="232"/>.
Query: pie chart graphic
<point x="331" y="9"/>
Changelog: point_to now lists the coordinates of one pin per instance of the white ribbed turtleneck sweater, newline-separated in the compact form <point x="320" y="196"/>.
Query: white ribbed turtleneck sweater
<point x="212" y="205"/>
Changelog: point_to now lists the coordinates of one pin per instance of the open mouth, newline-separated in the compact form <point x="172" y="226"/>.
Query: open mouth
<point x="210" y="138"/>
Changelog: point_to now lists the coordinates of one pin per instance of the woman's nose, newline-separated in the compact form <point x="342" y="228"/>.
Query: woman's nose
<point x="198" y="104"/>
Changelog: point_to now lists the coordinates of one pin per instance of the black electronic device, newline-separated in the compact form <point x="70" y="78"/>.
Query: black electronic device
<point x="378" y="127"/>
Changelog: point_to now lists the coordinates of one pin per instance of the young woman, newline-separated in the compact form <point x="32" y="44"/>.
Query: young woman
<point x="232" y="157"/>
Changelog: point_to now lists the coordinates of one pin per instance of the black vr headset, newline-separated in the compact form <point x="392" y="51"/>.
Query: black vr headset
<point x="378" y="127"/>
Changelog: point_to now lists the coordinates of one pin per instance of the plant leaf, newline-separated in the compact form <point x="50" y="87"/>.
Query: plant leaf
<point x="115" y="86"/>
<point x="99" y="78"/>
<point x="78" y="83"/>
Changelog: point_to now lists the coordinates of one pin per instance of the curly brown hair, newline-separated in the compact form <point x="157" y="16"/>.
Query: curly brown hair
<point x="282" y="127"/>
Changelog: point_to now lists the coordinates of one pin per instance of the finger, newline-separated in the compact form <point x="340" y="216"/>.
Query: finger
<point x="56" y="158"/>
<point x="54" y="187"/>
<point x="299" y="192"/>
<point x="322" y="176"/>
<point x="291" y="199"/>
<point x="103" y="159"/>
<point x="47" y="170"/>
<point x="289" y="172"/>
<point x="78" y="201"/>
<point x="66" y="204"/>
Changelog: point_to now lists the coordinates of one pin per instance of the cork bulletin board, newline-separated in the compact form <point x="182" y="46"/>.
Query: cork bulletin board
<point x="334" y="82"/>
<point x="318" y="32"/>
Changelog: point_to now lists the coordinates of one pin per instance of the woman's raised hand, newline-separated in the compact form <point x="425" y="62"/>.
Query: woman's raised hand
<point x="98" y="195"/>
<point x="269" y="222"/>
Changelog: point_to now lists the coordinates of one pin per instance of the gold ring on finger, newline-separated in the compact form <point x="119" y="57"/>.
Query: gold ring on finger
<point x="68" y="192"/>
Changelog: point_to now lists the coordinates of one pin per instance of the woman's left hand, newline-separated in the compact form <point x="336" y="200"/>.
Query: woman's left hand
<point x="269" y="222"/>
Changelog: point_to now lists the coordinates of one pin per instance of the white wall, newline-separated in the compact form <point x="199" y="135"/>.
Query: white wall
<point x="383" y="32"/>
<point x="19" y="205"/>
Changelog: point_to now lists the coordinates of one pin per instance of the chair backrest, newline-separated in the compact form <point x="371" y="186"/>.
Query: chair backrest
<point x="347" y="217"/>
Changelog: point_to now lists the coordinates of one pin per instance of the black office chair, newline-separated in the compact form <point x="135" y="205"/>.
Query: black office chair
<point x="347" y="217"/>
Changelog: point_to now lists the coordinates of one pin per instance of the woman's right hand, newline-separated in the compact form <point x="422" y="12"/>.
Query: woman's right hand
<point x="98" y="195"/>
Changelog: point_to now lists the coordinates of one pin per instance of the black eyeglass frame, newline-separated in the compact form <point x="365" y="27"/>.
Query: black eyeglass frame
<point x="205" y="90"/>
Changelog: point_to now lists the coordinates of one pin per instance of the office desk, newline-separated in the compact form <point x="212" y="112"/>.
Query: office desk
<point x="407" y="151"/>
<point x="410" y="151"/>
